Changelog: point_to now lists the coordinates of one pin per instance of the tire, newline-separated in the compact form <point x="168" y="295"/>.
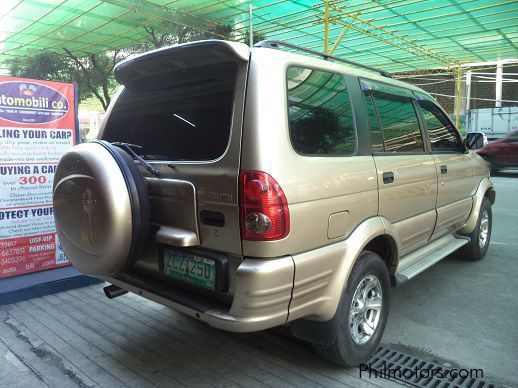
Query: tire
<point x="353" y="345"/>
<point x="101" y="208"/>
<point x="476" y="249"/>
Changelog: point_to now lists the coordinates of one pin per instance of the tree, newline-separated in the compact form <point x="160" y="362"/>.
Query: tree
<point x="167" y="33"/>
<point x="257" y="37"/>
<point x="43" y="65"/>
<point x="93" y="74"/>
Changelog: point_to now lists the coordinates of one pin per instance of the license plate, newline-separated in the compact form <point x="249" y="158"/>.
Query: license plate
<point x="190" y="268"/>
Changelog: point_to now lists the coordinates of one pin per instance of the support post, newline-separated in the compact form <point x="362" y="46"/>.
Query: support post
<point x="468" y="97"/>
<point x="344" y="31"/>
<point x="326" y="26"/>
<point x="498" y="86"/>
<point x="457" y="96"/>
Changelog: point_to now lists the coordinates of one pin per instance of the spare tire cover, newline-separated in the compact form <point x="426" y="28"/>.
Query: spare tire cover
<point x="101" y="208"/>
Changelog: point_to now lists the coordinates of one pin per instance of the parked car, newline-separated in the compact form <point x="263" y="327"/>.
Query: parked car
<point x="251" y="188"/>
<point x="501" y="153"/>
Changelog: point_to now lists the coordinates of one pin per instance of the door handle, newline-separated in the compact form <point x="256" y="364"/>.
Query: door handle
<point x="388" y="177"/>
<point x="444" y="169"/>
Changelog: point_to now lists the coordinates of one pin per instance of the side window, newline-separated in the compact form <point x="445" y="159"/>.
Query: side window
<point x="443" y="135"/>
<point x="399" y="123"/>
<point x="320" y="113"/>
<point x="375" y="130"/>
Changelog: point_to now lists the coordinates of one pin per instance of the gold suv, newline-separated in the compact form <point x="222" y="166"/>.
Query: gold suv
<point x="251" y="188"/>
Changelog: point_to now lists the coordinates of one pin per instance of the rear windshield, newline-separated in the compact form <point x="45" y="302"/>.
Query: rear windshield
<point x="181" y="115"/>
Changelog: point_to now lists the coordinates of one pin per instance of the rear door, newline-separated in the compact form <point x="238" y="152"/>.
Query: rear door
<point x="183" y="106"/>
<point x="456" y="183"/>
<point x="407" y="179"/>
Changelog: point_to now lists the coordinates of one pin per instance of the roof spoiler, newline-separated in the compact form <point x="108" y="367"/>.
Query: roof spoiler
<point x="178" y="57"/>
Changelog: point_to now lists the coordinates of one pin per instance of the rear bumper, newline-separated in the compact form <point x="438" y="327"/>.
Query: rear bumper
<point x="262" y="295"/>
<point x="269" y="292"/>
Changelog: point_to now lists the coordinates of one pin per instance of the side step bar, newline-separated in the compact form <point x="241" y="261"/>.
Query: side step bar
<point x="416" y="262"/>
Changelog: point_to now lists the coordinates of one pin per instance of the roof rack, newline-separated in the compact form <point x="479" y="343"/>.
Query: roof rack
<point x="277" y="44"/>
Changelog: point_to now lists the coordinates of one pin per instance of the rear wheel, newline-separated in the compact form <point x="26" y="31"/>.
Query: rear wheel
<point x="362" y="313"/>
<point x="476" y="249"/>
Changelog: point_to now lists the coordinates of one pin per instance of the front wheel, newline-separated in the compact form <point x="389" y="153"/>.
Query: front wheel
<point x="476" y="249"/>
<point x="361" y="314"/>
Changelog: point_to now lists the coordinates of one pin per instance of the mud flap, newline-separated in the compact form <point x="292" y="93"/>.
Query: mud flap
<point x="323" y="333"/>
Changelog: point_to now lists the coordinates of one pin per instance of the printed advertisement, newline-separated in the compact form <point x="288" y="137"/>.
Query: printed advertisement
<point x="37" y="125"/>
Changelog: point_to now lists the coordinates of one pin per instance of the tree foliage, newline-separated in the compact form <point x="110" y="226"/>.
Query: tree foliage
<point x="257" y="37"/>
<point x="167" y="33"/>
<point x="42" y="65"/>
<point x="93" y="74"/>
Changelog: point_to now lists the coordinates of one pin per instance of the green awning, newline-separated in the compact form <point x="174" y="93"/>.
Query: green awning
<point x="395" y="35"/>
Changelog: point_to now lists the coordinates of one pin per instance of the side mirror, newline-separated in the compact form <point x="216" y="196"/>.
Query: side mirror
<point x="475" y="140"/>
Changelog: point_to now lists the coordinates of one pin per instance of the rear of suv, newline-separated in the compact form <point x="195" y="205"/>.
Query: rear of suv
<point x="252" y="188"/>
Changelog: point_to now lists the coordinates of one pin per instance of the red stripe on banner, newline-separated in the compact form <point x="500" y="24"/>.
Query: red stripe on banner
<point x="25" y="207"/>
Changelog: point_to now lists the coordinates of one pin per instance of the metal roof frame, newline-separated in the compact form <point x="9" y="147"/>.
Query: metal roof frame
<point x="395" y="35"/>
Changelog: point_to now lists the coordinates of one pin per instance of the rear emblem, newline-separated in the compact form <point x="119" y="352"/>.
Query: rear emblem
<point x="88" y="202"/>
<point x="222" y="197"/>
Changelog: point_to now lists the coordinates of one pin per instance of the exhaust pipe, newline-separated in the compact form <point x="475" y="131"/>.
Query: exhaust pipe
<point x="112" y="291"/>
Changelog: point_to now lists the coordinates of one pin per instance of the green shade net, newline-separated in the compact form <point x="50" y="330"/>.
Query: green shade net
<point x="394" y="35"/>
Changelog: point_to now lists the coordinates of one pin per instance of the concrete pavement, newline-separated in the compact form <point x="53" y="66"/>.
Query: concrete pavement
<point x="466" y="313"/>
<point x="455" y="313"/>
<point x="81" y="338"/>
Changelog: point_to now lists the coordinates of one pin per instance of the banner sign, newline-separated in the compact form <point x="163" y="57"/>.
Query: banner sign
<point x="37" y="125"/>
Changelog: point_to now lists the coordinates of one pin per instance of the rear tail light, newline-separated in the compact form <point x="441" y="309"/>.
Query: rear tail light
<point x="263" y="207"/>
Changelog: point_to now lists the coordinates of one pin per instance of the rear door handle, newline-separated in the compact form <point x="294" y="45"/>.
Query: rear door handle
<point x="444" y="169"/>
<point x="388" y="177"/>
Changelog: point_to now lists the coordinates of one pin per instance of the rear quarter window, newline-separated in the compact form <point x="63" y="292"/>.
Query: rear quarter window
<point x="320" y="114"/>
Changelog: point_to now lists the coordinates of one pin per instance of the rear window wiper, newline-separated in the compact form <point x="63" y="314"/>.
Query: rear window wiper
<point x="153" y="157"/>
<point x="129" y="148"/>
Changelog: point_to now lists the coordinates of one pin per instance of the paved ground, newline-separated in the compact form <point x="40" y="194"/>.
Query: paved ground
<point x="461" y="313"/>
<point x="467" y="313"/>
<point x="81" y="338"/>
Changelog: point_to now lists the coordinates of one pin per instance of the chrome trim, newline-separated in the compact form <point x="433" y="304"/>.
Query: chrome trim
<point x="484" y="229"/>
<point x="176" y="237"/>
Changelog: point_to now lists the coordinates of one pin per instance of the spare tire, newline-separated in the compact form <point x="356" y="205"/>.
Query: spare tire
<point x="101" y="208"/>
